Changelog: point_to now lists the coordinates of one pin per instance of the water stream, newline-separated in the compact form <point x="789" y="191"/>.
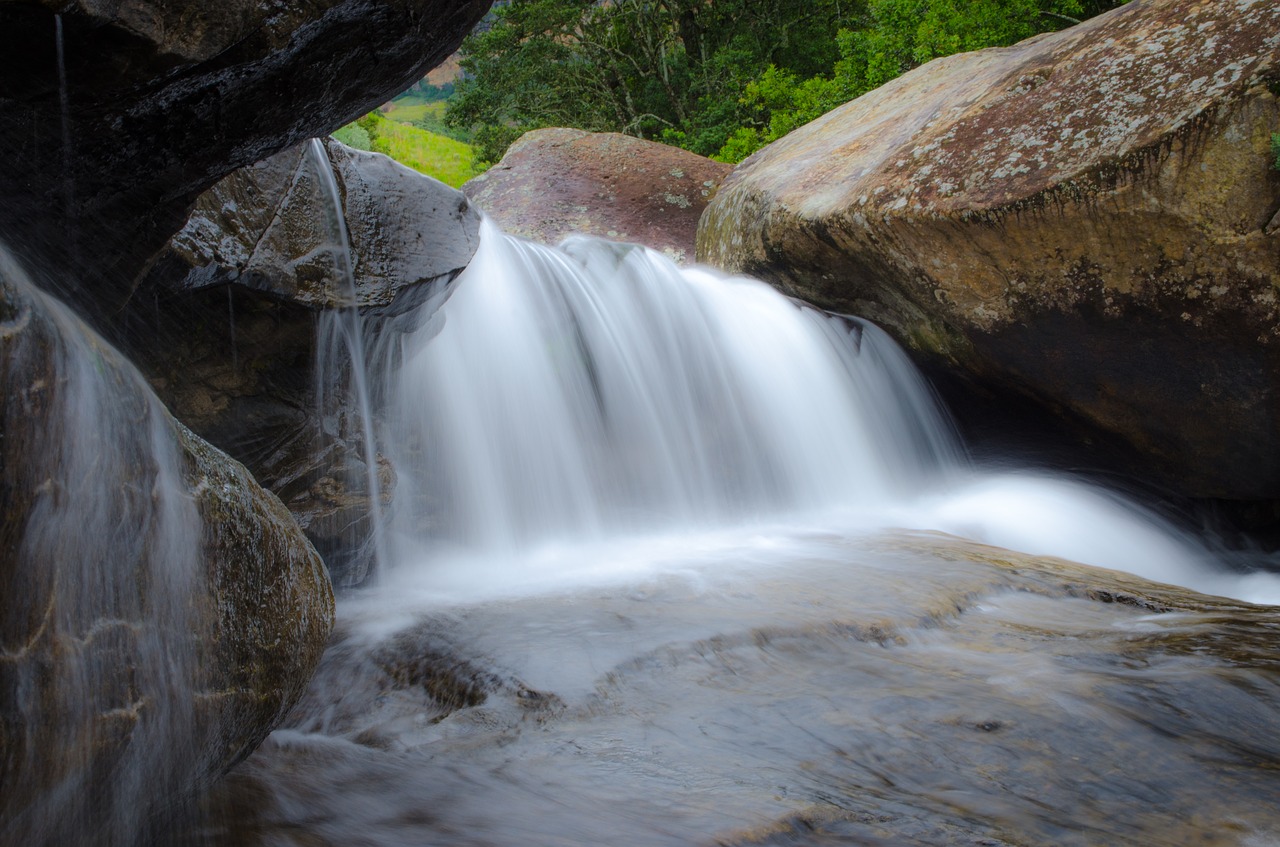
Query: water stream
<point x="674" y="560"/>
<point x="342" y="374"/>
<point x="107" y="557"/>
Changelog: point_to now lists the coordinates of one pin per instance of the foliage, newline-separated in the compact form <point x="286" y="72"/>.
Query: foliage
<point x="446" y="159"/>
<point x="894" y="37"/>
<point x="425" y="112"/>
<point x="719" y="77"/>
<point x="669" y="69"/>
<point x="1275" y="149"/>
<point x="354" y="135"/>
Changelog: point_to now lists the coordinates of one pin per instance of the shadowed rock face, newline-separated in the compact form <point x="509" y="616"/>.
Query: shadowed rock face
<point x="556" y="182"/>
<point x="1086" y="219"/>
<point x="161" y="612"/>
<point x="116" y="116"/>
<point x="225" y="322"/>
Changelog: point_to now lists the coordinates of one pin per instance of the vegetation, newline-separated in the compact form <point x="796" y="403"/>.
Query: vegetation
<point x="718" y="77"/>
<point x="447" y="159"/>
<point x="1275" y="149"/>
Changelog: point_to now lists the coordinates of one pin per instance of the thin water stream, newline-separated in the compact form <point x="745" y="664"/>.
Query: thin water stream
<point x="673" y="560"/>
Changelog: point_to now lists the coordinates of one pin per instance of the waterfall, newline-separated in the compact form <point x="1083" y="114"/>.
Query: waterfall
<point x="596" y="394"/>
<point x="102" y="558"/>
<point x="342" y="376"/>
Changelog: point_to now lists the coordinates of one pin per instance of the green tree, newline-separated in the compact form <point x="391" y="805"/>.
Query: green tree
<point x="890" y="38"/>
<point x="719" y="77"/>
<point x="671" y="69"/>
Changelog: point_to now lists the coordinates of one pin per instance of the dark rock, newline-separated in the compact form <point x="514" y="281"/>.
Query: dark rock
<point x="115" y="117"/>
<point x="558" y="182"/>
<point x="1080" y="220"/>
<point x="162" y="612"/>
<point x="273" y="227"/>
<point x="225" y="323"/>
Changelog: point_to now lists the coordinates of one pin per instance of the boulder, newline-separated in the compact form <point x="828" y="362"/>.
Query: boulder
<point x="225" y="321"/>
<point x="558" y="182"/>
<point x="277" y="227"/>
<point x="162" y="612"/>
<point x="1086" y="220"/>
<point x="116" y="116"/>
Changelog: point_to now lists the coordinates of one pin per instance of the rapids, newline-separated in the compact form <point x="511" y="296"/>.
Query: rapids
<point x="673" y="559"/>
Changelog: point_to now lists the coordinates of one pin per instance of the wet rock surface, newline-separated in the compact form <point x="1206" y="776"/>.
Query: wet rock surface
<point x="273" y="227"/>
<point x="162" y="611"/>
<point x="909" y="688"/>
<point x="116" y="117"/>
<point x="557" y="182"/>
<point x="1081" y="220"/>
<point x="226" y="323"/>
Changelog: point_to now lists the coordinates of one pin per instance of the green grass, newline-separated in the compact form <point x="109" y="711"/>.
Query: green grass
<point x="439" y="156"/>
<point x="413" y="110"/>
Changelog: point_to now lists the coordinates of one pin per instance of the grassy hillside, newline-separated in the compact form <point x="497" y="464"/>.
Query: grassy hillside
<point x="433" y="154"/>
<point x="414" y="109"/>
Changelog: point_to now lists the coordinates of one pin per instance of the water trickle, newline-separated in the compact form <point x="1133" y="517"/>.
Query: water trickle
<point x="231" y="323"/>
<point x="342" y="377"/>
<point x="68" y="153"/>
<point x="107" y="559"/>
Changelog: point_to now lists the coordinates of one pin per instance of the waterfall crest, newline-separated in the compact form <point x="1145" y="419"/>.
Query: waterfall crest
<point x="597" y="393"/>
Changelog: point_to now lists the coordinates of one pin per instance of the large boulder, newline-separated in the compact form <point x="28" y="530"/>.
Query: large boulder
<point x="161" y="612"/>
<point x="1087" y="219"/>
<point x="558" y="182"/>
<point x="225" y="322"/>
<point x="116" y="116"/>
<point x="281" y="226"/>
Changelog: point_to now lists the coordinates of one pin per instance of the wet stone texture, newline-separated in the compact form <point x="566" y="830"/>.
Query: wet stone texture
<point x="161" y="611"/>
<point x="1085" y="220"/>
<point x="225" y="323"/>
<point x="553" y="183"/>
<point x="902" y="689"/>
<point x="116" y="116"/>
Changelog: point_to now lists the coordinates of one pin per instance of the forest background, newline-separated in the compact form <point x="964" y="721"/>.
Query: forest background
<point x="721" y="78"/>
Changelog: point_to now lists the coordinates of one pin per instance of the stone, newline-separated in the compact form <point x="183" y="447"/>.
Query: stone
<point x="273" y="227"/>
<point x="116" y="116"/>
<point x="162" y="612"/>
<point x="225" y="321"/>
<point x="558" y="182"/>
<point x="1078" y="222"/>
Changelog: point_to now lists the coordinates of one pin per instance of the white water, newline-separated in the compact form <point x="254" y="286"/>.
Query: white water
<point x="341" y="371"/>
<point x="593" y="412"/>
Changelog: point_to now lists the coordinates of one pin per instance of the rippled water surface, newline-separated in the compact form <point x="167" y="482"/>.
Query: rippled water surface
<point x="667" y="567"/>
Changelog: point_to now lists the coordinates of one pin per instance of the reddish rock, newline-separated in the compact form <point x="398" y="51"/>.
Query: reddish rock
<point x="558" y="182"/>
<point x="1085" y="220"/>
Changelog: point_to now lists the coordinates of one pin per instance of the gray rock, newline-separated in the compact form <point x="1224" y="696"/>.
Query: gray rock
<point x="114" y="117"/>
<point x="225" y="323"/>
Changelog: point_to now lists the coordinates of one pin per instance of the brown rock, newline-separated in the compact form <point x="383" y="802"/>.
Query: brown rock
<point x="557" y="182"/>
<point x="161" y="611"/>
<point x="1081" y="219"/>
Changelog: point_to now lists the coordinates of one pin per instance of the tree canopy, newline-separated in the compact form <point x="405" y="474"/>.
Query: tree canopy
<point x="718" y="77"/>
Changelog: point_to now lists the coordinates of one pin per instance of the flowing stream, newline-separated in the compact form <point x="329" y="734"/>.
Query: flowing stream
<point x="674" y="560"/>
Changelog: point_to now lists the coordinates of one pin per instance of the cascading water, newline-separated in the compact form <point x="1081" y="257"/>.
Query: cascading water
<point x="595" y="392"/>
<point x="342" y="377"/>
<point x="102" y="560"/>
<point x="648" y="585"/>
